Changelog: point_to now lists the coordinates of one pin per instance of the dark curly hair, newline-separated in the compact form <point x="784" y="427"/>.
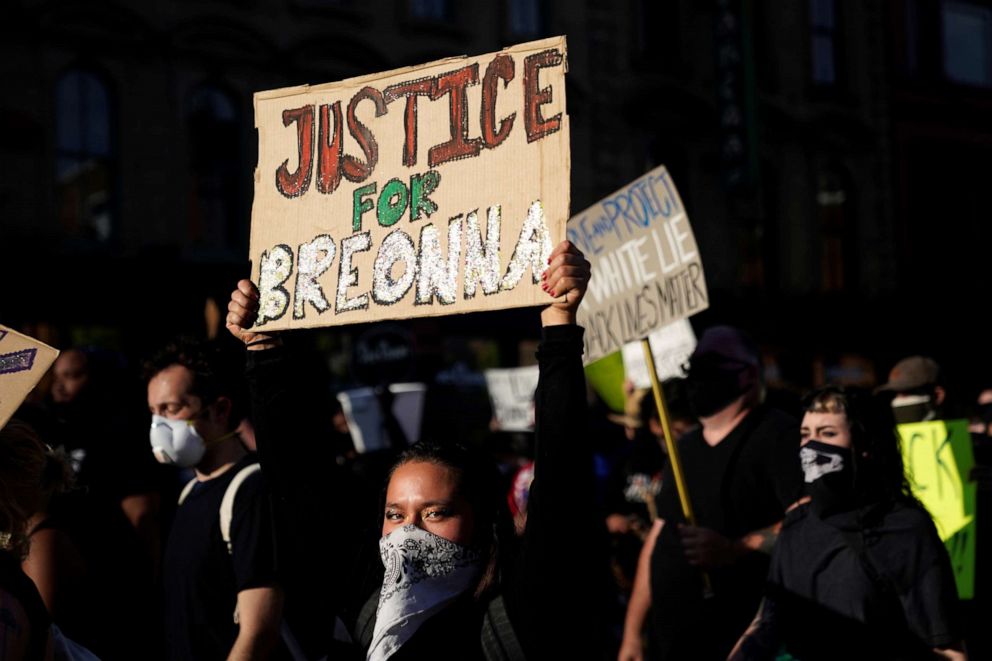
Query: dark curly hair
<point x="879" y="473"/>
<point x="31" y="473"/>
<point x="215" y="371"/>
<point x="479" y="483"/>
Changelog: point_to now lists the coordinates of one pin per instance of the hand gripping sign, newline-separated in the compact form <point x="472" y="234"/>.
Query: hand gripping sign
<point x="424" y="191"/>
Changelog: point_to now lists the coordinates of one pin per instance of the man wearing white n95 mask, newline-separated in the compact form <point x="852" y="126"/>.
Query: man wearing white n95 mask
<point x="221" y="596"/>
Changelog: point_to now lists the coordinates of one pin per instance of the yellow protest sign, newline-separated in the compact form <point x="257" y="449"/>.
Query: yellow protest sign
<point x="938" y="459"/>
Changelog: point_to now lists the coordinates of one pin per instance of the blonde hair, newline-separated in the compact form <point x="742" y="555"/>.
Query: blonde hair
<point x="827" y="401"/>
<point x="30" y="474"/>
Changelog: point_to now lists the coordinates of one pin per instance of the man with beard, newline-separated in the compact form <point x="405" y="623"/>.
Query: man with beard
<point x="703" y="582"/>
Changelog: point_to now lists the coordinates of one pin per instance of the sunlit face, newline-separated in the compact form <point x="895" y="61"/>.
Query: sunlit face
<point x="426" y="495"/>
<point x="70" y="376"/>
<point x="170" y="396"/>
<point x="828" y="428"/>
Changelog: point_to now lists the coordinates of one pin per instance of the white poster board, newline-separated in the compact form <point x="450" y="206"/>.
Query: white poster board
<point x="511" y="392"/>
<point x="671" y="345"/>
<point x="365" y="420"/>
<point x="646" y="268"/>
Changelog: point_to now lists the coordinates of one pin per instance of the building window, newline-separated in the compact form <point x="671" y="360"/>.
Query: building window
<point x="430" y="10"/>
<point x="525" y="18"/>
<point x="84" y="156"/>
<point x="823" y="41"/>
<point x="835" y="229"/>
<point x="967" y="41"/>
<point x="213" y="128"/>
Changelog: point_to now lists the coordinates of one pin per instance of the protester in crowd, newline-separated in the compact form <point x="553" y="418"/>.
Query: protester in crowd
<point x="916" y="389"/>
<point x="91" y="576"/>
<point x="859" y="570"/>
<point x="742" y="473"/>
<point x="222" y="598"/>
<point x="29" y="475"/>
<point x="456" y="586"/>
<point x="635" y="479"/>
<point x="95" y="424"/>
<point x="980" y="426"/>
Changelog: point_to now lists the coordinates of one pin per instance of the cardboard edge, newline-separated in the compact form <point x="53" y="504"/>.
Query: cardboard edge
<point x="41" y="375"/>
<point x="265" y="95"/>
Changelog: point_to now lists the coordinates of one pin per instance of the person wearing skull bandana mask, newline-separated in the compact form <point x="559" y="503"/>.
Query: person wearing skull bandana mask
<point x="742" y="473"/>
<point x="859" y="570"/>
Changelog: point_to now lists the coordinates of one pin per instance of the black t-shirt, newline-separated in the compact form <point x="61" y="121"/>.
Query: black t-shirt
<point x="201" y="578"/>
<point x="820" y="583"/>
<point x="742" y="484"/>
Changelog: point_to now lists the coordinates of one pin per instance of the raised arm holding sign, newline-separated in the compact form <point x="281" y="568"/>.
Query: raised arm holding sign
<point x="383" y="197"/>
<point x="444" y="503"/>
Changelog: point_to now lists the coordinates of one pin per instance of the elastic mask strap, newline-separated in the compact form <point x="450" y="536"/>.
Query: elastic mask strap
<point x="221" y="438"/>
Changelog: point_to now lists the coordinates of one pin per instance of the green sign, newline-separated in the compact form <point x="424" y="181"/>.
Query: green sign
<point x="938" y="460"/>
<point x="606" y="378"/>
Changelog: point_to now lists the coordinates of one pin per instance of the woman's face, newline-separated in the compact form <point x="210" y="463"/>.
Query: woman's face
<point x="426" y="495"/>
<point x="70" y="377"/>
<point x="829" y="428"/>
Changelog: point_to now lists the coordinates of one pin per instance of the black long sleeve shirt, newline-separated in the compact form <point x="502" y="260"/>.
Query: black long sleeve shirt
<point x="558" y="576"/>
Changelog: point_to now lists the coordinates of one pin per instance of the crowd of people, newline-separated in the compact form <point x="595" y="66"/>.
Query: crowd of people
<point x="227" y="516"/>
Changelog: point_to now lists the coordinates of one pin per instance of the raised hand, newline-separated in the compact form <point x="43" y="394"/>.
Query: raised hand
<point x="567" y="276"/>
<point x="242" y="311"/>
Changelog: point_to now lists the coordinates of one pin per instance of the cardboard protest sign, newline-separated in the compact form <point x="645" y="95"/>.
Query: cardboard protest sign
<point x="23" y="361"/>
<point x="671" y="345"/>
<point x="646" y="270"/>
<point x="938" y="459"/>
<point x="364" y="414"/>
<point x="429" y="190"/>
<point x="511" y="392"/>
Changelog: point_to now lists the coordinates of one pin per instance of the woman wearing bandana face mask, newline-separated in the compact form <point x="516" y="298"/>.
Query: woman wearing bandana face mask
<point x="859" y="570"/>
<point x="453" y="583"/>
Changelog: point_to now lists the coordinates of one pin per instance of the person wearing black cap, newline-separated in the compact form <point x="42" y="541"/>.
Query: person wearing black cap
<point x="742" y="472"/>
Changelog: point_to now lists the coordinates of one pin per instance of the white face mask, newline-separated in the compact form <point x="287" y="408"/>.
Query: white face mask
<point x="176" y="442"/>
<point x="424" y="573"/>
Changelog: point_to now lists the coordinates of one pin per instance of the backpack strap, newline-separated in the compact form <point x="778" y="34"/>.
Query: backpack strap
<point x="499" y="640"/>
<point x="227" y="503"/>
<point x="187" y="490"/>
